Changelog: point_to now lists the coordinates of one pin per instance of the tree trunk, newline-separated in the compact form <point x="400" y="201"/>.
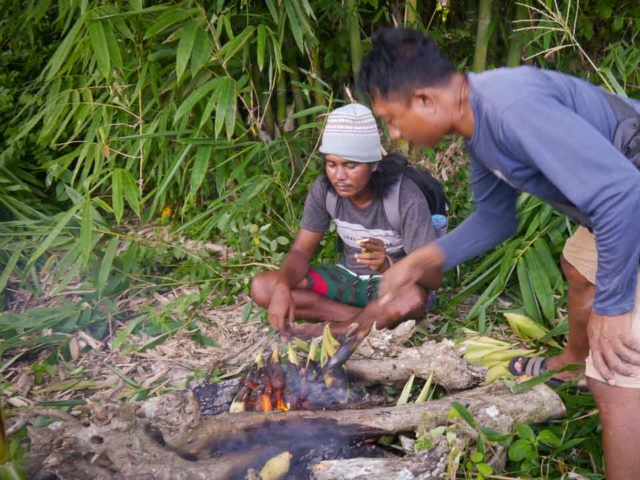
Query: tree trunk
<point x="517" y="39"/>
<point x="166" y="438"/>
<point x="482" y="36"/>
<point x="298" y="100"/>
<point x="442" y="359"/>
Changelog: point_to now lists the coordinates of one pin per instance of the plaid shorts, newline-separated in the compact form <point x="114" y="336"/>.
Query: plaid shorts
<point x="342" y="285"/>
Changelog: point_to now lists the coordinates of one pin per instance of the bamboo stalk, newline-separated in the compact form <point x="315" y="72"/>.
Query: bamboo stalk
<point x="410" y="12"/>
<point x="483" y="36"/>
<point x="354" y="36"/>
<point x="516" y="39"/>
<point x="281" y="99"/>
<point x="298" y="99"/>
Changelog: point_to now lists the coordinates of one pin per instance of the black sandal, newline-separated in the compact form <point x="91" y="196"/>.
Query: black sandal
<point x="536" y="366"/>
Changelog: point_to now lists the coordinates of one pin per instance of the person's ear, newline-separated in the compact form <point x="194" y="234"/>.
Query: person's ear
<point x="374" y="166"/>
<point x="424" y="100"/>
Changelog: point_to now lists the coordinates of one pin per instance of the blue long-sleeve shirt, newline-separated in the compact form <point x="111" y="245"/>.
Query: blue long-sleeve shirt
<point x="550" y="135"/>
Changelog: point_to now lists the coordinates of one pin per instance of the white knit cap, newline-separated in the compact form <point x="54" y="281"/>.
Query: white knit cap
<point x="351" y="132"/>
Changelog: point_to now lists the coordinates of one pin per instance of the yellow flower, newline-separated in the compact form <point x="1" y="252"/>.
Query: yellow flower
<point x="166" y="212"/>
<point x="256" y="241"/>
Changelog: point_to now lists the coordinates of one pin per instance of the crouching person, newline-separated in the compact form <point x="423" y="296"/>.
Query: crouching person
<point x="351" y="192"/>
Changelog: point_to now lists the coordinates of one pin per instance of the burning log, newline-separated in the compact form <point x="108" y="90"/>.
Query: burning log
<point x="167" y="437"/>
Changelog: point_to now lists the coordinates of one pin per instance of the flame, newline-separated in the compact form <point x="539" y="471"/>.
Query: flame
<point x="264" y="404"/>
<point x="280" y="405"/>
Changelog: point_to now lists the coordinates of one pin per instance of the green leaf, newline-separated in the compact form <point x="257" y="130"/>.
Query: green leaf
<point x="262" y="45"/>
<point x="131" y="191"/>
<point x="403" y="399"/>
<point x="100" y="47"/>
<point x="63" y="50"/>
<point x="174" y="168"/>
<point x="165" y="21"/>
<point x="294" y="23"/>
<point x="477" y="457"/>
<point x="86" y="228"/>
<point x="484" y="469"/>
<point x="202" y="50"/>
<point x="187" y="37"/>
<point x="547" y="436"/>
<point x="231" y="47"/>
<point x="112" y="45"/>
<point x="524" y="431"/>
<point x="204" y="340"/>
<point x="464" y="413"/>
<point x="195" y="97"/>
<point x="107" y="262"/>
<point x="541" y="285"/>
<point x="549" y="265"/>
<point x="117" y="194"/>
<point x="226" y="110"/>
<point x="520" y="450"/>
<point x="200" y="167"/>
<point x="55" y="232"/>
<point x="528" y="297"/>
<point x="7" y="269"/>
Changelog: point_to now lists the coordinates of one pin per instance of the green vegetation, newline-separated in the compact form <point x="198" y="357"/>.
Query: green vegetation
<point x="201" y="120"/>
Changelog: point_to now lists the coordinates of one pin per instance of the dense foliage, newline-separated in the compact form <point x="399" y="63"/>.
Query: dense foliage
<point x="204" y="116"/>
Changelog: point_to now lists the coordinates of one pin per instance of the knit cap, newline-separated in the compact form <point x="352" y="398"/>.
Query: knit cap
<point x="351" y="132"/>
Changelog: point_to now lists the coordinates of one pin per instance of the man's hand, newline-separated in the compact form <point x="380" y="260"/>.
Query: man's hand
<point x="374" y="254"/>
<point x="422" y="267"/>
<point x="614" y="349"/>
<point x="281" y="308"/>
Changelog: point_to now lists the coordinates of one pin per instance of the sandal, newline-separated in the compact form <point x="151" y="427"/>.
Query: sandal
<point x="536" y="366"/>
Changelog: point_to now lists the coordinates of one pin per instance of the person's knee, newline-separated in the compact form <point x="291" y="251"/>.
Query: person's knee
<point x="573" y="276"/>
<point x="261" y="288"/>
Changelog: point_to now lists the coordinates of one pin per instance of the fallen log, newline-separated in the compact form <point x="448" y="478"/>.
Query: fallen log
<point x="443" y="359"/>
<point x="168" y="439"/>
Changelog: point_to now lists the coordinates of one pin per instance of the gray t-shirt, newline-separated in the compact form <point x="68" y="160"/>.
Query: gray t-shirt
<point x="371" y="221"/>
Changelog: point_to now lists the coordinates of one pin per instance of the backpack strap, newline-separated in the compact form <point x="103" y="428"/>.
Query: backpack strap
<point x="626" y="137"/>
<point x="391" y="204"/>
<point x="331" y="202"/>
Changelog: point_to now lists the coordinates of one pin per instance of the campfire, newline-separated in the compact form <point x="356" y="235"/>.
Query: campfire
<point x="285" y="383"/>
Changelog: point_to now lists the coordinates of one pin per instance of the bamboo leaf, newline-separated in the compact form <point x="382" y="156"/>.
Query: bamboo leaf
<point x="165" y="21"/>
<point x="526" y="290"/>
<point x="195" y="97"/>
<point x="262" y="45"/>
<point x="7" y="270"/>
<point x="226" y="110"/>
<point x="294" y="24"/>
<point x="464" y="413"/>
<point x="53" y="67"/>
<point x="117" y="194"/>
<point x="231" y="48"/>
<point x="100" y="48"/>
<point x="107" y="262"/>
<point x="53" y="235"/>
<point x="131" y="191"/>
<point x="541" y="285"/>
<point x="86" y="228"/>
<point x="202" y="49"/>
<point x="549" y="265"/>
<point x="187" y="37"/>
<point x="112" y="45"/>
<point x="200" y="167"/>
<point x="174" y="168"/>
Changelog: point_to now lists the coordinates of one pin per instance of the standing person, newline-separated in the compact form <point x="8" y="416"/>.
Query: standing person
<point x="553" y="136"/>
<point x="352" y="192"/>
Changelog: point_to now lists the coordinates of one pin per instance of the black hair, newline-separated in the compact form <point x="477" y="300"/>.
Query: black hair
<point x="400" y="60"/>
<point x="389" y="170"/>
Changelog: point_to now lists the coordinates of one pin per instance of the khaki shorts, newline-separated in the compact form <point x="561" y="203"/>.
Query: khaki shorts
<point x="580" y="251"/>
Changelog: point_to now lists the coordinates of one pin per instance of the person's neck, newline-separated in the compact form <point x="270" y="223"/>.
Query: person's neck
<point x="363" y="198"/>
<point x="463" y="121"/>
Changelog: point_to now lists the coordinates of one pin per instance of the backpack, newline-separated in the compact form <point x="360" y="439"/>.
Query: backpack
<point x="428" y="185"/>
<point x="626" y="139"/>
